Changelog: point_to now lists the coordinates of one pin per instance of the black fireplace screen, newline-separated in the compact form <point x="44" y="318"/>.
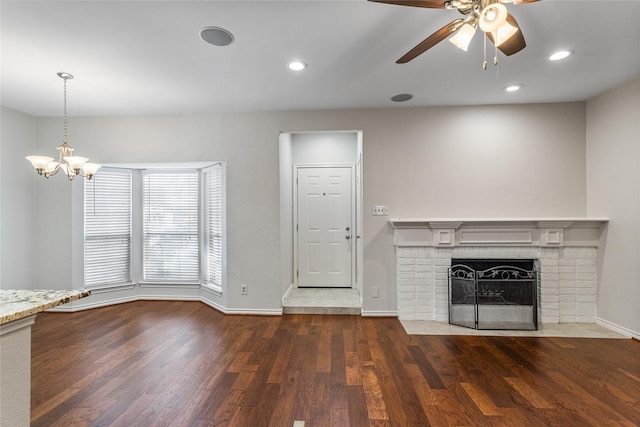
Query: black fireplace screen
<point x="493" y="294"/>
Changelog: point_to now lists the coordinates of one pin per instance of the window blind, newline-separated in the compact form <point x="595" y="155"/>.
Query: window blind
<point x="213" y="225"/>
<point x="107" y="229"/>
<point x="170" y="227"/>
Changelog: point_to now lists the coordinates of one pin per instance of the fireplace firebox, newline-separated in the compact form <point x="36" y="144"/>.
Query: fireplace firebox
<point x="493" y="294"/>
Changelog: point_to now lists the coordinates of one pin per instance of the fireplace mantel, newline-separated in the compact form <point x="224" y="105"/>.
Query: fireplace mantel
<point x="537" y="232"/>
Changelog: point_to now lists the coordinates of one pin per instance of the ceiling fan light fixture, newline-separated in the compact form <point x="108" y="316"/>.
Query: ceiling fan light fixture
<point x="504" y="33"/>
<point x="463" y="36"/>
<point x="492" y="17"/>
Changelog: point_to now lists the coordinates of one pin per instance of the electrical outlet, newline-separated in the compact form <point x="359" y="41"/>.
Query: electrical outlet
<point x="380" y="210"/>
<point x="375" y="292"/>
<point x="243" y="289"/>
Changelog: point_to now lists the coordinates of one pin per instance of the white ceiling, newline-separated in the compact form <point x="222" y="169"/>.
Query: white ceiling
<point x="146" y="57"/>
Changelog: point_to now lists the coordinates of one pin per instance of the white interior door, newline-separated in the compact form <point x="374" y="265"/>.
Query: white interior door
<point x="324" y="228"/>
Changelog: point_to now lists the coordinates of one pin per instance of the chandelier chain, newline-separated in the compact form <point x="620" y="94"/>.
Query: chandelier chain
<point x="64" y="139"/>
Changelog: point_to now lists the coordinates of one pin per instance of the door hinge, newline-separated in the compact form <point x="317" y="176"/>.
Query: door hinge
<point x="296" y="227"/>
<point x="297" y="273"/>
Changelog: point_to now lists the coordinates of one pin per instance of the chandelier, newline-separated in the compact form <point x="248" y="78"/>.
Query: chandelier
<point x="71" y="165"/>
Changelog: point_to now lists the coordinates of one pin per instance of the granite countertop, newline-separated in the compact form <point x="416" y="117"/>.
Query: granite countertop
<point x="16" y="304"/>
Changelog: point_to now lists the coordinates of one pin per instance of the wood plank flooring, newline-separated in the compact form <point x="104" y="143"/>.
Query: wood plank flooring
<point x="167" y="363"/>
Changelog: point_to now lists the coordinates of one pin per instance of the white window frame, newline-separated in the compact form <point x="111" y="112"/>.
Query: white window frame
<point x="136" y="246"/>
<point x="205" y="273"/>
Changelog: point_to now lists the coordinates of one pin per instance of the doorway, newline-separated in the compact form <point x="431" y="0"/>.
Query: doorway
<point x="330" y="165"/>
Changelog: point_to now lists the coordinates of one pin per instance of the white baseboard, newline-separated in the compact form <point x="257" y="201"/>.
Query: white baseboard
<point x="251" y="311"/>
<point x="80" y="306"/>
<point x="213" y="305"/>
<point x="617" y="328"/>
<point x="168" y="298"/>
<point x="379" y="313"/>
<point x="106" y="300"/>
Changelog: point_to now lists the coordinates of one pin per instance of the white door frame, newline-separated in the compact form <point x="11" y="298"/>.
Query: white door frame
<point x="355" y="241"/>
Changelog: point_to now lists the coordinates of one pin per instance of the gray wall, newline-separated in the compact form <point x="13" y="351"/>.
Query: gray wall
<point x="489" y="161"/>
<point x="613" y="183"/>
<point x="17" y="179"/>
<point x="328" y="147"/>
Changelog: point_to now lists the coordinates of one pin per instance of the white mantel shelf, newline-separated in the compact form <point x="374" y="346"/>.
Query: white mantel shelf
<point x="455" y="223"/>
<point x="539" y="231"/>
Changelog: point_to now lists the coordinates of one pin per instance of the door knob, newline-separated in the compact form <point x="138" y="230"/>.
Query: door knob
<point x="348" y="236"/>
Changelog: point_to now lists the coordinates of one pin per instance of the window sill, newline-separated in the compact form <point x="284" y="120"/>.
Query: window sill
<point x="109" y="288"/>
<point x="214" y="289"/>
<point x="169" y="284"/>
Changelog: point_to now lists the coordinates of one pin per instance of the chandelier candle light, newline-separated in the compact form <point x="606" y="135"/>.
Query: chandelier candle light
<point x="70" y="164"/>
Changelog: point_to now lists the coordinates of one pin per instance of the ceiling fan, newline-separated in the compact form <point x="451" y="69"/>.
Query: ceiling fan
<point x="490" y="15"/>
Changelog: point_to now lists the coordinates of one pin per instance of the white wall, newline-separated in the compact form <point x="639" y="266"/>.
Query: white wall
<point x="613" y="190"/>
<point x="286" y="211"/>
<point x="479" y="161"/>
<point x="16" y="200"/>
<point x="326" y="147"/>
<point x="499" y="160"/>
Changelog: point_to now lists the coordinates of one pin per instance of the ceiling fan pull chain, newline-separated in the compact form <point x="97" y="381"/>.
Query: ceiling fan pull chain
<point x="484" y="64"/>
<point x="495" y="58"/>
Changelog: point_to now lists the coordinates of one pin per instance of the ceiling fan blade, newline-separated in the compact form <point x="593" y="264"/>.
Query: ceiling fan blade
<point x="513" y="44"/>
<point x="432" y="4"/>
<point x="523" y="1"/>
<point x="431" y="41"/>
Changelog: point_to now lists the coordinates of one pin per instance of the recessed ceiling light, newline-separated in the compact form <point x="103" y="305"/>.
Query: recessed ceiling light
<point x="297" y="66"/>
<point x="216" y="36"/>
<point x="513" y="88"/>
<point x="403" y="97"/>
<point x="561" y="54"/>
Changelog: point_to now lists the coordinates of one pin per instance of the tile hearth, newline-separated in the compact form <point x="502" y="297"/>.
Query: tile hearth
<point x="567" y="330"/>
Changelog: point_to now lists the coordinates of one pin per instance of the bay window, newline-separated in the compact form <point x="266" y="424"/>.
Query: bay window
<point x="154" y="226"/>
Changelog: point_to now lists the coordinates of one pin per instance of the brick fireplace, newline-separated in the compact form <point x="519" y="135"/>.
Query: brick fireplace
<point x="565" y="251"/>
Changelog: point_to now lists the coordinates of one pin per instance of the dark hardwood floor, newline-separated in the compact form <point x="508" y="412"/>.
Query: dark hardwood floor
<point x="160" y="363"/>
